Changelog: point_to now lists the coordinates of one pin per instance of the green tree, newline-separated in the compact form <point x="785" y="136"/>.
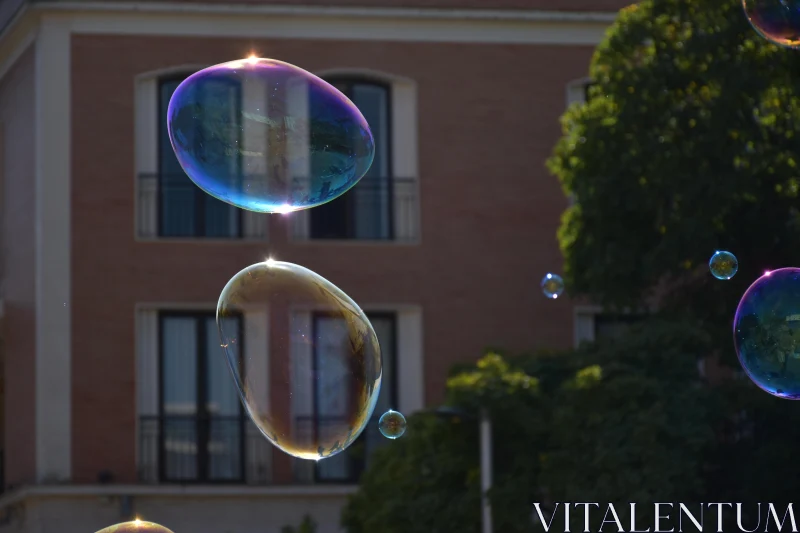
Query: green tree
<point x="633" y="423"/>
<point x="427" y="481"/>
<point x="608" y="422"/>
<point x="306" y="526"/>
<point x="689" y="143"/>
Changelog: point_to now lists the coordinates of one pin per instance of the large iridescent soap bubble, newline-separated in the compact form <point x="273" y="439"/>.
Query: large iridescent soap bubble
<point x="268" y="136"/>
<point x="135" y="526"/>
<point x="776" y="20"/>
<point x="312" y="384"/>
<point x="767" y="332"/>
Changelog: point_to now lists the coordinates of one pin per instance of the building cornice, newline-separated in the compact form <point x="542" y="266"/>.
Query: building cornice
<point x="327" y="11"/>
<point x="175" y="491"/>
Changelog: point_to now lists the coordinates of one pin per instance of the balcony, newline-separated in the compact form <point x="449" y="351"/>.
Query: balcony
<point x="376" y="209"/>
<point x="344" y="468"/>
<point x="179" y="457"/>
<point x="170" y="206"/>
<point x="191" y="449"/>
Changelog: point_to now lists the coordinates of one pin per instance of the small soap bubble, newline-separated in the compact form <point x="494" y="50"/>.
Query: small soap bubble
<point x="135" y="526"/>
<point x="778" y="21"/>
<point x="552" y="286"/>
<point x="392" y="424"/>
<point x="723" y="265"/>
<point x="267" y="136"/>
<point x="767" y="332"/>
<point x="313" y="385"/>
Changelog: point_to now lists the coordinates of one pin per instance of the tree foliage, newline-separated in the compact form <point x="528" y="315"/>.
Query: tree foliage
<point x="689" y="143"/>
<point x="426" y="481"/>
<point x="605" y="422"/>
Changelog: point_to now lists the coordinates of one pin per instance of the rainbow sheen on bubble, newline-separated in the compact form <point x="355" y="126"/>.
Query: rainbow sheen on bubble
<point x="312" y="383"/>
<point x="723" y="265"/>
<point x="778" y="21"/>
<point x="552" y="286"/>
<point x="392" y="424"/>
<point x="135" y="526"/>
<point x="767" y="332"/>
<point x="267" y="136"/>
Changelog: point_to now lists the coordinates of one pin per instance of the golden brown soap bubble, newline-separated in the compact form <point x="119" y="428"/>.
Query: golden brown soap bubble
<point x="314" y="388"/>
<point x="135" y="526"/>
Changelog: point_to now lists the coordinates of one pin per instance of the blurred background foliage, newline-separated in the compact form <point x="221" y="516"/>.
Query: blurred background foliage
<point x="689" y="143"/>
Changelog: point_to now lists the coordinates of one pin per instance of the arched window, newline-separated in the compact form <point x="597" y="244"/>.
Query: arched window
<point x="366" y="212"/>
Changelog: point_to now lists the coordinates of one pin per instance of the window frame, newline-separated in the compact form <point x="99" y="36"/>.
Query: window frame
<point x="201" y="414"/>
<point x="356" y="467"/>
<point x="347" y="84"/>
<point x="626" y="319"/>
<point x="199" y="231"/>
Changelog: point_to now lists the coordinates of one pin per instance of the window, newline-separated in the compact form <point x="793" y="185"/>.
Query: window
<point x="613" y="326"/>
<point x="578" y="91"/>
<point x="347" y="466"/>
<point x="185" y="210"/>
<point x="367" y="210"/>
<point x="592" y="324"/>
<point x="201" y="423"/>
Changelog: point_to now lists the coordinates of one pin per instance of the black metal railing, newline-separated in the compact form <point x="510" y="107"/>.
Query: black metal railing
<point x="375" y="209"/>
<point x="345" y="467"/>
<point x="193" y="449"/>
<point x="172" y="206"/>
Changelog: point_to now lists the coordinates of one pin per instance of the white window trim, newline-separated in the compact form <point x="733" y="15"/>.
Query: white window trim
<point x="576" y="90"/>
<point x="146" y="111"/>
<point x="584" y="321"/>
<point x="256" y="334"/>
<point x="405" y="159"/>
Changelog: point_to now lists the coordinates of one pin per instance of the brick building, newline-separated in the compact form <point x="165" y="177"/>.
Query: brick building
<point x="108" y="252"/>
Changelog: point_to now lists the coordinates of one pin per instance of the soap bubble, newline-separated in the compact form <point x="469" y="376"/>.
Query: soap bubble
<point x="392" y="424"/>
<point x="777" y="21"/>
<point x="135" y="526"/>
<point x="767" y="332"/>
<point x="552" y="286"/>
<point x="267" y="136"/>
<point x="314" y="387"/>
<point x="723" y="265"/>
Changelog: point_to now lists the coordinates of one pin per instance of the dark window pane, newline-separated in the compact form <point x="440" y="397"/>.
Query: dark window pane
<point x="222" y="407"/>
<point x="202" y="418"/>
<point x="385" y="330"/>
<point x="333" y="400"/>
<point x="371" y="195"/>
<point x="179" y="397"/>
<point x="364" y="212"/>
<point x="179" y="366"/>
<point x="186" y="210"/>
